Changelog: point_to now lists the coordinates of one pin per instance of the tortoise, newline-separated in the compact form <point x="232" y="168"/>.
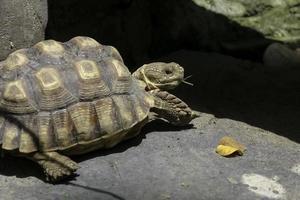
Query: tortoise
<point x="61" y="99"/>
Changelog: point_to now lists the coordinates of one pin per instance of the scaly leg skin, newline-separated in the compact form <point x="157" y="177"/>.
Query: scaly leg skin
<point x="171" y="108"/>
<point x="56" y="167"/>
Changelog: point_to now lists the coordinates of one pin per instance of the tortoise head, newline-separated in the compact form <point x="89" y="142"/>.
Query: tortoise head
<point x="160" y="75"/>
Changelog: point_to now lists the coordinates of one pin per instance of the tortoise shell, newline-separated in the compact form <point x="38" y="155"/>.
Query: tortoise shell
<point x="55" y="96"/>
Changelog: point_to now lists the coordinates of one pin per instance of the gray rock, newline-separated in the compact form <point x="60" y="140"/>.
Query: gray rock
<point x="280" y="57"/>
<point x="165" y="162"/>
<point x="227" y="8"/>
<point x="22" y="24"/>
<point x="143" y="29"/>
<point x="277" y="20"/>
<point x="172" y="164"/>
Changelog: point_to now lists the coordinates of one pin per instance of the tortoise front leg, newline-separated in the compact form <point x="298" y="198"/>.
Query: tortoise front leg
<point x="171" y="108"/>
<point x="56" y="167"/>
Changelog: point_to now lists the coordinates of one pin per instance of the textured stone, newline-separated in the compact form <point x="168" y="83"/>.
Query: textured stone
<point x="277" y="20"/>
<point x="173" y="164"/>
<point x="164" y="162"/>
<point x="278" y="57"/>
<point x="227" y="8"/>
<point x="22" y="24"/>
<point x="143" y="29"/>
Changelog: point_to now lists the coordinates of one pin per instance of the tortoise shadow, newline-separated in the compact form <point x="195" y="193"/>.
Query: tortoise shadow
<point x="23" y="168"/>
<point x="19" y="167"/>
<point x="115" y="196"/>
<point x="151" y="127"/>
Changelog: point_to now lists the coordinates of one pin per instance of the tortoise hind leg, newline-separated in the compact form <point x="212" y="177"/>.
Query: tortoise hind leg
<point x="55" y="166"/>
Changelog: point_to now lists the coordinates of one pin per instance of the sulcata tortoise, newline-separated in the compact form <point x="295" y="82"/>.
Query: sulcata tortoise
<point x="59" y="99"/>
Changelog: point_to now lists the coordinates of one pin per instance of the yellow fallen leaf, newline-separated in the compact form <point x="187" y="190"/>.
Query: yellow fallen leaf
<point x="229" y="146"/>
<point x="229" y="141"/>
<point x="227" y="150"/>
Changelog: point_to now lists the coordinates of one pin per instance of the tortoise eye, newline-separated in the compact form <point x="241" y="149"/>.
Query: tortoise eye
<point x="168" y="71"/>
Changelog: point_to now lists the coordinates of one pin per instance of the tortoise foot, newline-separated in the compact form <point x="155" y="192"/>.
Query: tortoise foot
<point x="56" y="167"/>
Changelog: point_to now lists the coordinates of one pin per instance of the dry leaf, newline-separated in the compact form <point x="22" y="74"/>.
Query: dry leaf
<point x="229" y="146"/>
<point x="227" y="150"/>
<point x="229" y="141"/>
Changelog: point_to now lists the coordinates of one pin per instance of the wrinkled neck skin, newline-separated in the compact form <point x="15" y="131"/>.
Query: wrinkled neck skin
<point x="143" y="80"/>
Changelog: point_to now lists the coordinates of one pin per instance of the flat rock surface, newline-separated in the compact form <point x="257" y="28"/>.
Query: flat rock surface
<point x="166" y="162"/>
<point x="22" y="24"/>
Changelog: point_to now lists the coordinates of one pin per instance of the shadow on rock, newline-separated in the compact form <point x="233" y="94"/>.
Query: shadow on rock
<point x="143" y="30"/>
<point x="23" y="168"/>
<point x="115" y="196"/>
<point x="157" y="126"/>
<point x="242" y="90"/>
<point x="20" y="167"/>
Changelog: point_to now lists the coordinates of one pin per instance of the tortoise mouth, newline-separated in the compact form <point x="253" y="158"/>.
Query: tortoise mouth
<point x="171" y="80"/>
<point x="168" y="85"/>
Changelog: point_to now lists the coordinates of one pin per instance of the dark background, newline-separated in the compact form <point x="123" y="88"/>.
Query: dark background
<point x="143" y="31"/>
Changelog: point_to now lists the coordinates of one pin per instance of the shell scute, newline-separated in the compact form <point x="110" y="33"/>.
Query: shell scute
<point x="16" y="99"/>
<point x="10" y="138"/>
<point x="16" y="60"/>
<point x="50" y="48"/>
<point x="91" y="81"/>
<point x="63" y="128"/>
<point x="106" y="114"/>
<point x="121" y="79"/>
<point x="85" y="43"/>
<point x="52" y="94"/>
<point x="83" y="116"/>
